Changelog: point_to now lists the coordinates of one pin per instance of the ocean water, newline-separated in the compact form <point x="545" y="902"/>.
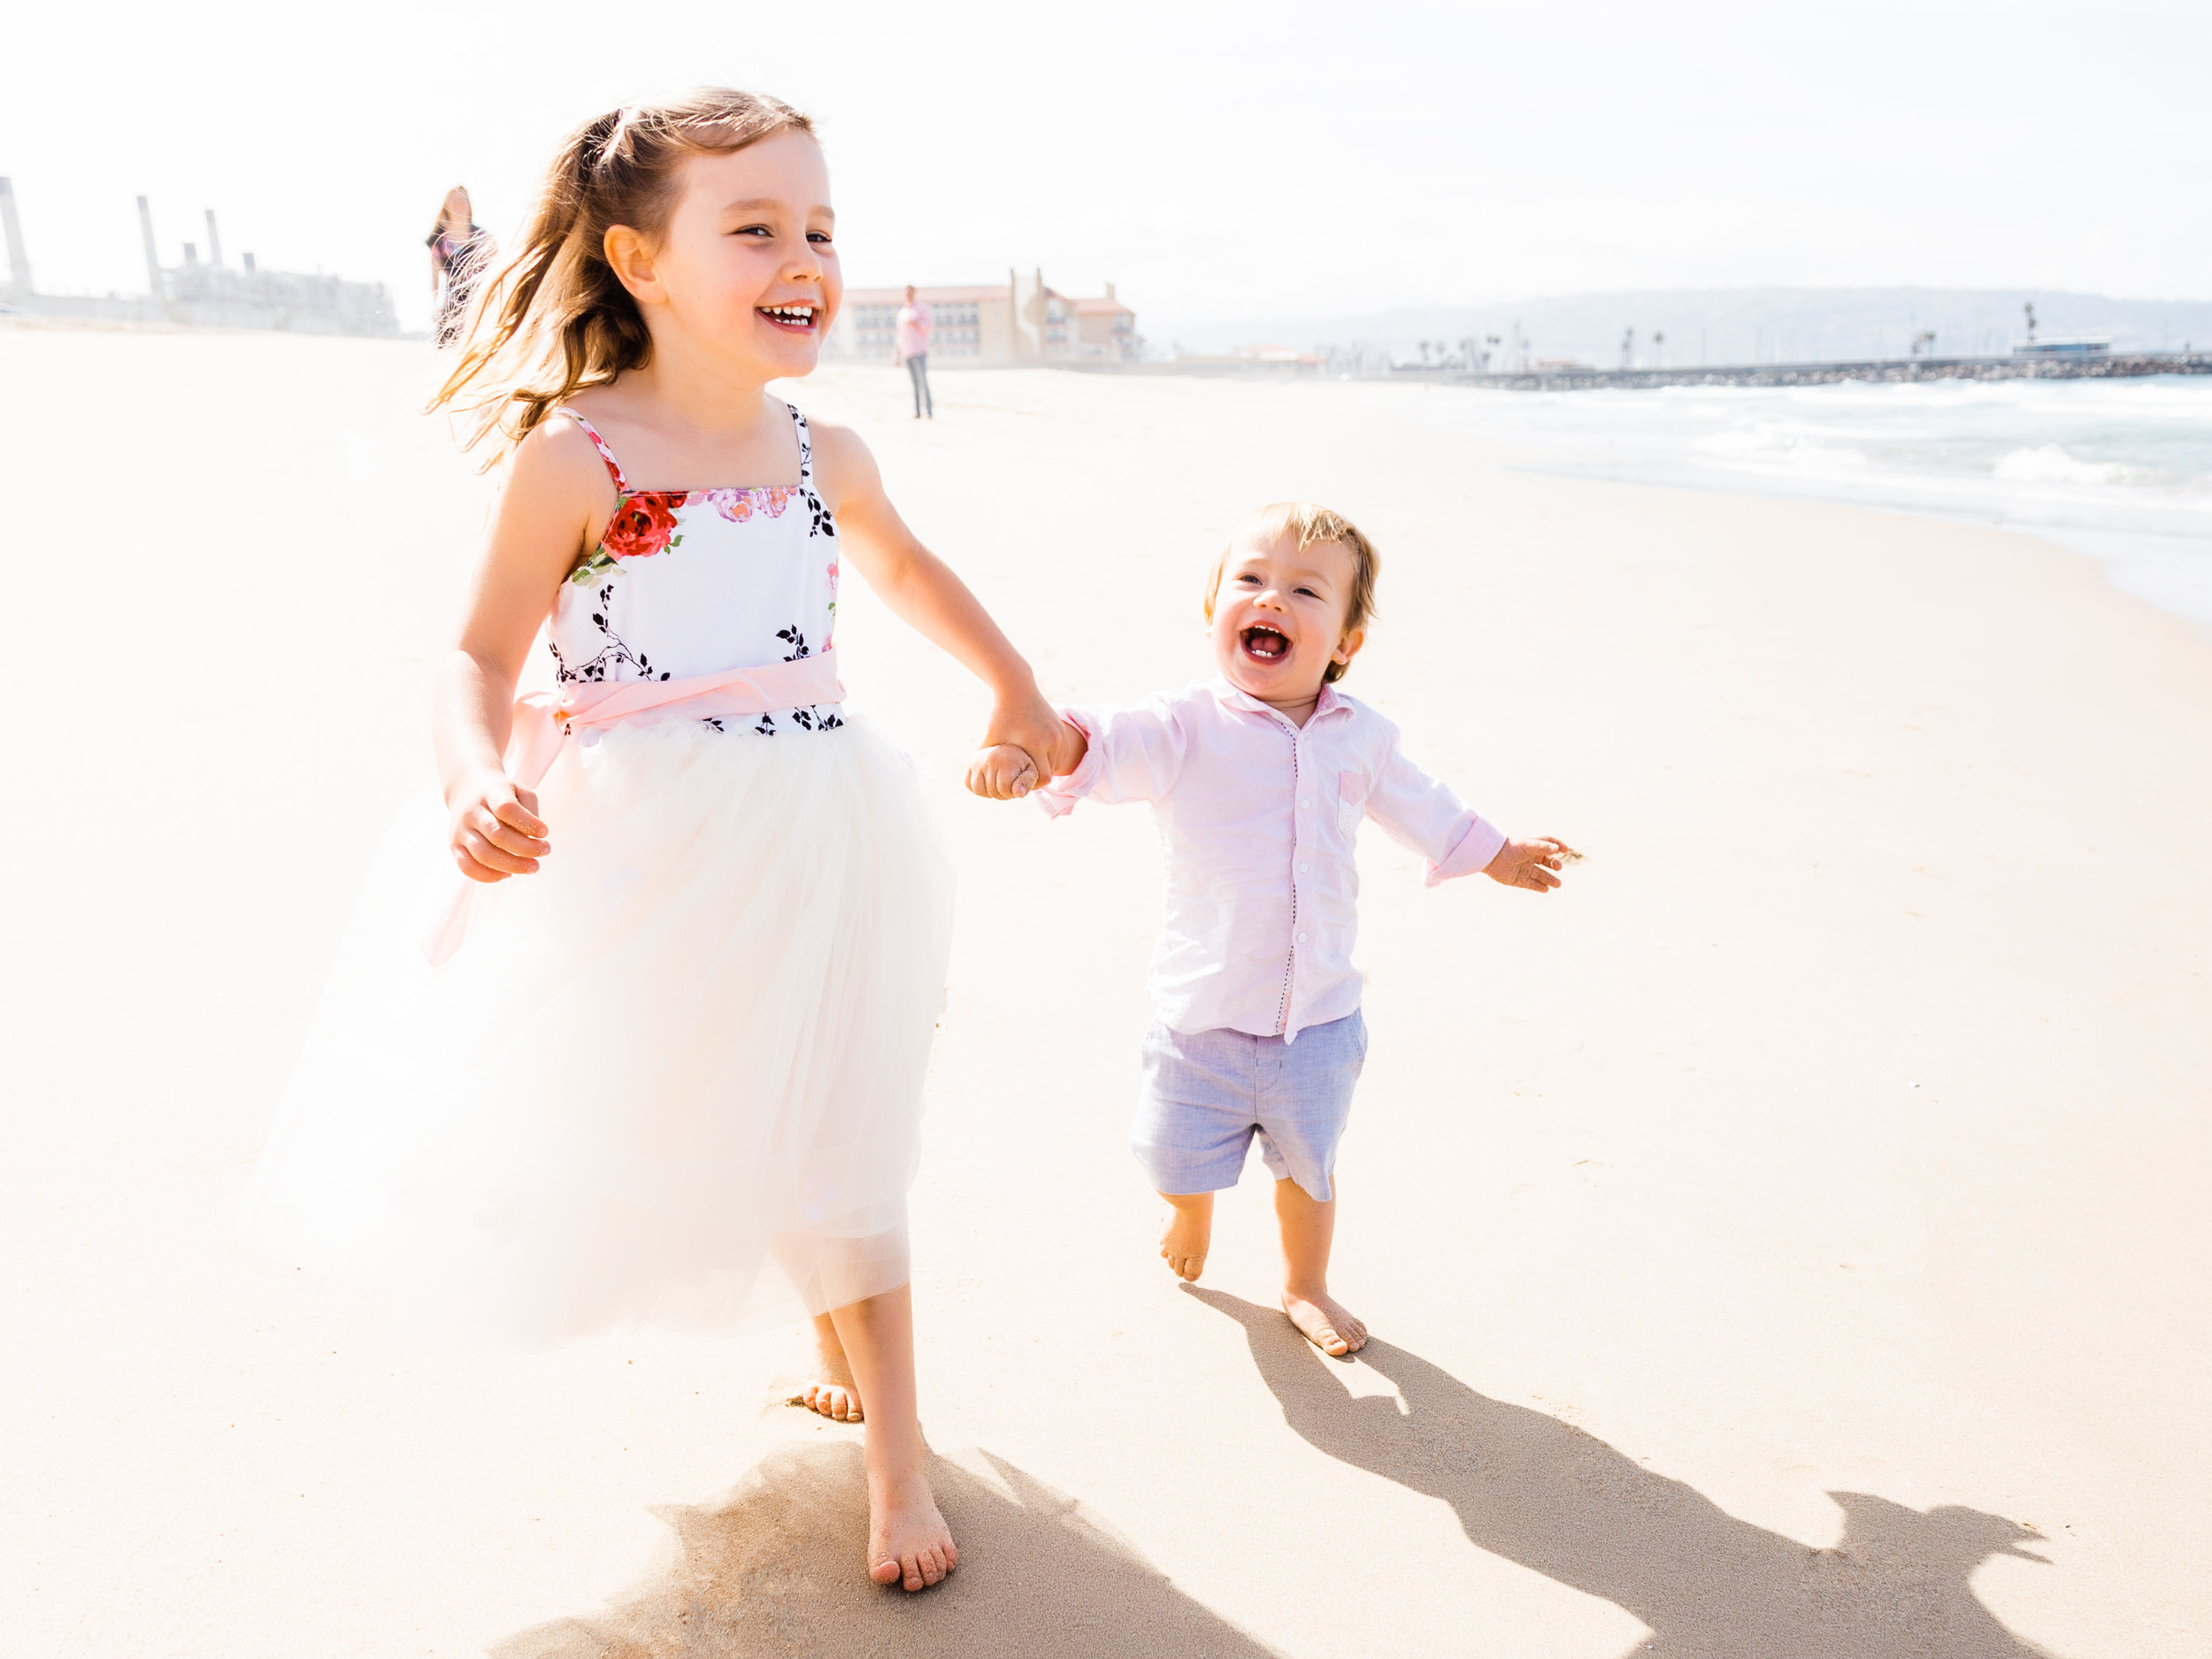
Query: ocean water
<point x="2118" y="470"/>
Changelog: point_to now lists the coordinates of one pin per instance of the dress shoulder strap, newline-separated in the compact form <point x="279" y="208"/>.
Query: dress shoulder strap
<point x="614" y="467"/>
<point x="806" y="445"/>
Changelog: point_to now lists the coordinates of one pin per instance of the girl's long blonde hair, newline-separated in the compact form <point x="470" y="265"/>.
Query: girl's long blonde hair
<point x="553" y="319"/>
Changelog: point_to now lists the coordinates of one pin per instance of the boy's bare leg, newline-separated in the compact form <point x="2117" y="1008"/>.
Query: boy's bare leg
<point x="908" y="1540"/>
<point x="1190" y="1233"/>
<point x="1307" y="1225"/>
<point x="831" y="1390"/>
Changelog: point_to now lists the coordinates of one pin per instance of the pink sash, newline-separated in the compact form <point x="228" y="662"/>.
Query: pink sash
<point x="544" y="721"/>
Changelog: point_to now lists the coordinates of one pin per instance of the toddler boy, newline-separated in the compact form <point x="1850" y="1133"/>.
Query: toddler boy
<point x="1258" y="779"/>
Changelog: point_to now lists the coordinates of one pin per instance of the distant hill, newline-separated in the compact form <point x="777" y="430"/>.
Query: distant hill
<point x="1723" y="326"/>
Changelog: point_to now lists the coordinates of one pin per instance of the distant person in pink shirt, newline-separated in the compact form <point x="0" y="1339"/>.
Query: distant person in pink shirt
<point x="1258" y="779"/>
<point x="915" y="323"/>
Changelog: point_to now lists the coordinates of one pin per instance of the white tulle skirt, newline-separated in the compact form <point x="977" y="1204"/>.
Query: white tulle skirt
<point x="675" y="1077"/>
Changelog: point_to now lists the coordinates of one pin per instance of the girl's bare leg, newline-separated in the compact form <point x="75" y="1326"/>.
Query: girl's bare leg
<point x="831" y="1390"/>
<point x="908" y="1540"/>
<point x="1308" y="1226"/>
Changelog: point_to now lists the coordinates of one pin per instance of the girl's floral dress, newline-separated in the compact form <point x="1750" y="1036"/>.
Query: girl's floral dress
<point x="690" y="582"/>
<point x="676" y="1075"/>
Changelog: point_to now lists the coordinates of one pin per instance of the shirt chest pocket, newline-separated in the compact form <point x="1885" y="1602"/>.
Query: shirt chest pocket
<point x="1351" y="801"/>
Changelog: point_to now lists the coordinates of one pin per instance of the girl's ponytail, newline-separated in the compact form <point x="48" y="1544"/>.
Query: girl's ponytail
<point x="554" y="317"/>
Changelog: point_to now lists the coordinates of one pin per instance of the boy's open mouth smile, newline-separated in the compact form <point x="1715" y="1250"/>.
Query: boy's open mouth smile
<point x="1265" y="644"/>
<point x="798" y="320"/>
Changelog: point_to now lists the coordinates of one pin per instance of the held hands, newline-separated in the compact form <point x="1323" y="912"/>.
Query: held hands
<point x="1533" y="864"/>
<point x="496" y="829"/>
<point x="1026" y="747"/>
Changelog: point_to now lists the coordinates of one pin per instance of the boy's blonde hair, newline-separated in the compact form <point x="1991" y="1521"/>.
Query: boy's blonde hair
<point x="1310" y="522"/>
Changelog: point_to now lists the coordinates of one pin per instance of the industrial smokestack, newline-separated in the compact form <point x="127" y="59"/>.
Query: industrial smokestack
<point x="18" y="261"/>
<point x="153" y="260"/>
<point x="214" y="242"/>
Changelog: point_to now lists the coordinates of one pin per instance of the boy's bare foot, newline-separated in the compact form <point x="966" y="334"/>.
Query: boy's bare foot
<point x="833" y="1392"/>
<point x="909" y="1543"/>
<point x="1326" y="1323"/>
<point x="1189" y="1233"/>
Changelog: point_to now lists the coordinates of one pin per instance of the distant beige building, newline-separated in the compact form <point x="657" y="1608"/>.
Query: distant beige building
<point x="972" y="323"/>
<point x="1013" y="322"/>
<point x="1105" y="327"/>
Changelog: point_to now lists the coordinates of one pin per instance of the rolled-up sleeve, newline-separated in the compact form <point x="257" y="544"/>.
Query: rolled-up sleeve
<point x="1423" y="816"/>
<point x="1129" y="755"/>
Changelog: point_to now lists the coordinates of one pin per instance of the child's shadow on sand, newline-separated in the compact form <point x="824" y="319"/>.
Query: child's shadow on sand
<point x="1538" y="1492"/>
<point x="777" y="1570"/>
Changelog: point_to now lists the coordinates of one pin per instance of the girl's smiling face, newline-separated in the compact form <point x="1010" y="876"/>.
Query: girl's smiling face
<point x="748" y="263"/>
<point x="1278" y="615"/>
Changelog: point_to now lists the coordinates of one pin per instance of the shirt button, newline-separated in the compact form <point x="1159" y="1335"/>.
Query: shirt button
<point x="1305" y="869"/>
<point x="1306" y="803"/>
<point x="1302" y="939"/>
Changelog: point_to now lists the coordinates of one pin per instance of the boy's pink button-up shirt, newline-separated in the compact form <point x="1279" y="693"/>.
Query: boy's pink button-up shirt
<point x="1258" y="817"/>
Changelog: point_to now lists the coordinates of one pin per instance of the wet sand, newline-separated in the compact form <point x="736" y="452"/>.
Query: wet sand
<point x="1785" y="1240"/>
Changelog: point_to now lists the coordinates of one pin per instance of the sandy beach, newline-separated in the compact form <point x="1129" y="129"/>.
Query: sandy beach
<point x="1786" y="1241"/>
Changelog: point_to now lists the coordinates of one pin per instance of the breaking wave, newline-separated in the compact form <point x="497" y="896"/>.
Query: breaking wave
<point x="2053" y="463"/>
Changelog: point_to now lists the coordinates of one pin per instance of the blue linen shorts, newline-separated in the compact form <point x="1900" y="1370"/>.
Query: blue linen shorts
<point x="1207" y="1093"/>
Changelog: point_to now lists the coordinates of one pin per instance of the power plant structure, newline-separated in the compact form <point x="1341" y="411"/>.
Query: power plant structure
<point x="203" y="293"/>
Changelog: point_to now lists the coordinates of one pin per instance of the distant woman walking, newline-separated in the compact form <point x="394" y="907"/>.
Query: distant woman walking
<point x="915" y="325"/>
<point x="459" y="250"/>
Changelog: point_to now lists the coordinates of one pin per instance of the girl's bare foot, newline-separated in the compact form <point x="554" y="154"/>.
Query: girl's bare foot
<point x="1326" y="1323"/>
<point x="909" y="1543"/>
<point x="832" y="1392"/>
<point x="908" y="1540"/>
<point x="1190" y="1233"/>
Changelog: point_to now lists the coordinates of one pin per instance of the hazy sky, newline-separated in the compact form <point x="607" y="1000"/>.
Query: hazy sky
<point x="1213" y="160"/>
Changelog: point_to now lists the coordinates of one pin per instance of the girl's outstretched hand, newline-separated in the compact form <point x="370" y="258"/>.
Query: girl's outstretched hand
<point x="496" y="829"/>
<point x="1533" y="864"/>
<point x="1005" y="772"/>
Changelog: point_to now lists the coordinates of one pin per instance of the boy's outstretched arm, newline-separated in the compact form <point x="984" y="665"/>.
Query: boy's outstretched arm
<point x="1420" y="813"/>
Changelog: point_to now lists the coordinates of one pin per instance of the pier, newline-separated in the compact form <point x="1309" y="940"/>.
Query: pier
<point x="2100" y="367"/>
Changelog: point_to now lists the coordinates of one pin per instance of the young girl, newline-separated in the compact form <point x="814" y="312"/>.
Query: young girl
<point x="1259" y="779"/>
<point x="669" y="1047"/>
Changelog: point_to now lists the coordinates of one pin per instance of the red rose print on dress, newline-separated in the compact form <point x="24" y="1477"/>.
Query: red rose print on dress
<point x="642" y="525"/>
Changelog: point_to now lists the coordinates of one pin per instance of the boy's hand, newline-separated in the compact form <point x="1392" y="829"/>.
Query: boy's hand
<point x="1026" y="747"/>
<point x="1033" y="724"/>
<point x="1533" y="864"/>
<point x="1005" y="772"/>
